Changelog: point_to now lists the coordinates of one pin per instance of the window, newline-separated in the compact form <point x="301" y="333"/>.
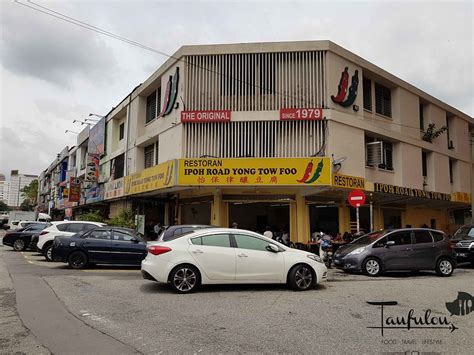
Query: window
<point x="451" y="176"/>
<point x="367" y="88"/>
<point x="422" y="117"/>
<point x="400" y="238"/>
<point x="62" y="227"/>
<point x="158" y="100"/>
<point x="80" y="227"/>
<point x="149" y="154"/>
<point x="121" y="235"/>
<point x="117" y="167"/>
<point x="383" y="100"/>
<point x="151" y="107"/>
<point x="424" y="164"/>
<point x="423" y="237"/>
<point x="437" y="236"/>
<point x="378" y="153"/>
<point x="156" y="153"/>
<point x="216" y="240"/>
<point x="247" y="242"/>
<point x="121" y="131"/>
<point x="103" y="234"/>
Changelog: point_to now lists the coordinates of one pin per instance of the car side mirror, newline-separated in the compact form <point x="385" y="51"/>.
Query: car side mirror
<point x="135" y="240"/>
<point x="389" y="243"/>
<point x="273" y="248"/>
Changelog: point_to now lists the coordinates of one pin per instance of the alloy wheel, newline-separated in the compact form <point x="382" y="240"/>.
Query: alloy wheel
<point x="372" y="267"/>
<point x="184" y="279"/>
<point x="445" y="267"/>
<point x="19" y="245"/>
<point x="303" y="277"/>
<point x="77" y="260"/>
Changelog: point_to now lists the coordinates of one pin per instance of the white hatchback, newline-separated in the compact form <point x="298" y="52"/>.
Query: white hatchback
<point x="63" y="228"/>
<point x="229" y="256"/>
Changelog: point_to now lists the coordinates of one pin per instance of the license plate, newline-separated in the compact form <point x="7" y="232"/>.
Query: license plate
<point x="462" y="255"/>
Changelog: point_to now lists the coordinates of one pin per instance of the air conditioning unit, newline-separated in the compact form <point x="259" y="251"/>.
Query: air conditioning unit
<point x="450" y="145"/>
<point x="374" y="153"/>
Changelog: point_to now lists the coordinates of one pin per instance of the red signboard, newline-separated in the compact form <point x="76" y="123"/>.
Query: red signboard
<point x="74" y="189"/>
<point x="356" y="198"/>
<point x="298" y="114"/>
<point x="205" y="116"/>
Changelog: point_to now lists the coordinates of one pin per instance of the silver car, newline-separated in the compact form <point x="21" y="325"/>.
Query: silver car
<point x="398" y="249"/>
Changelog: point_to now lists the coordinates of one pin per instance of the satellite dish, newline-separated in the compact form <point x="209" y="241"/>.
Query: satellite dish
<point x="337" y="163"/>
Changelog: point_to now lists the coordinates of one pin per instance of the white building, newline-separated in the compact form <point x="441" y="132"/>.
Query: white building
<point x="17" y="182"/>
<point x="3" y="189"/>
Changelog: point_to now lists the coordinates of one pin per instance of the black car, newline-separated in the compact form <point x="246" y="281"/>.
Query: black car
<point x="103" y="245"/>
<point x="20" y="239"/>
<point x="171" y="232"/>
<point x="463" y="241"/>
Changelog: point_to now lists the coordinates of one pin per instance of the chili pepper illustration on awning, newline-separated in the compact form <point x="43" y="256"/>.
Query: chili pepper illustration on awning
<point x="307" y="172"/>
<point x="352" y="91"/>
<point x="317" y="173"/>
<point x="342" y="87"/>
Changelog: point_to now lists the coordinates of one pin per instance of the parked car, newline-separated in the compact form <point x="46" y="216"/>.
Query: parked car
<point x="398" y="249"/>
<point x="463" y="240"/>
<point x="171" y="232"/>
<point x="20" y="239"/>
<point x="104" y="245"/>
<point x="63" y="228"/>
<point x="229" y="256"/>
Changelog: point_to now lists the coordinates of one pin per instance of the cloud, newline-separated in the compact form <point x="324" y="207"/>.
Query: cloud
<point x="41" y="47"/>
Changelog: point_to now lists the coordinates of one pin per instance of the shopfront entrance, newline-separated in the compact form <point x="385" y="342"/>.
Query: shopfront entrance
<point x="392" y="218"/>
<point x="364" y="219"/>
<point x="324" y="218"/>
<point x="255" y="216"/>
<point x="196" y="213"/>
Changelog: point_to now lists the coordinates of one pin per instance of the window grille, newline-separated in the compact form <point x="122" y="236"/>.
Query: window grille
<point x="383" y="100"/>
<point x="149" y="152"/>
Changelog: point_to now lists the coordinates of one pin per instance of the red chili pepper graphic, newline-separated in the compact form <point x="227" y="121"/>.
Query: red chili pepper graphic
<point x="317" y="173"/>
<point x="307" y="172"/>
<point x="342" y="88"/>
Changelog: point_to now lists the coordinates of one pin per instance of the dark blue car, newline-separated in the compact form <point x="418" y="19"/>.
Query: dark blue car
<point x="104" y="245"/>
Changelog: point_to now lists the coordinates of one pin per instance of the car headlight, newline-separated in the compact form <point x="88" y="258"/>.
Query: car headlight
<point x="315" y="258"/>
<point x="357" y="251"/>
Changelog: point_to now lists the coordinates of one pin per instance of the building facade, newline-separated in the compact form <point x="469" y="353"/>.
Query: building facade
<point x="15" y="197"/>
<point x="278" y="134"/>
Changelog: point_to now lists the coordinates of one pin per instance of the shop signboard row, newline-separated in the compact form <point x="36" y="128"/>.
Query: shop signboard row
<point x="285" y="114"/>
<point x="154" y="178"/>
<point x="114" y="188"/>
<point x="409" y="192"/>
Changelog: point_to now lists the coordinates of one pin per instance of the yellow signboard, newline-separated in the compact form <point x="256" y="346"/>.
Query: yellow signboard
<point x="154" y="178"/>
<point x="461" y="197"/>
<point x="255" y="171"/>
<point x="348" y="182"/>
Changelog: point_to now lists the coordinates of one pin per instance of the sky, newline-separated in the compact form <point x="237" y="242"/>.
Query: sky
<point x="53" y="72"/>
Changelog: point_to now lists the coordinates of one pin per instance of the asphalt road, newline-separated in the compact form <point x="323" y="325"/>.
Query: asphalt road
<point x="118" y="306"/>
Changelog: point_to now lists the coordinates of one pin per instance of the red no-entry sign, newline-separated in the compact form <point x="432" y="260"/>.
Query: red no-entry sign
<point x="356" y="198"/>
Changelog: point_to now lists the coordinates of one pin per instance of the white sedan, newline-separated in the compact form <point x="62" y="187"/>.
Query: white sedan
<point x="229" y="256"/>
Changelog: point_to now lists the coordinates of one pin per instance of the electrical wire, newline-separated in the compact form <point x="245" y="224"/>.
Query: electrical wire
<point x="47" y="11"/>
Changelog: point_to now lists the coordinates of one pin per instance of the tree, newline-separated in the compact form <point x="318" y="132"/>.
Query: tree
<point x="4" y="207"/>
<point x="27" y="206"/>
<point x="31" y="192"/>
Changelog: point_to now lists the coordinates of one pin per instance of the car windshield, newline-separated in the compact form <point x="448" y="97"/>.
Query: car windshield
<point x="369" y="238"/>
<point x="465" y="231"/>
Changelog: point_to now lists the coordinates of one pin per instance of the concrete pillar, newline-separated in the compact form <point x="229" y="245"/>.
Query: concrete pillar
<point x="216" y="209"/>
<point x="299" y="220"/>
<point x="344" y="219"/>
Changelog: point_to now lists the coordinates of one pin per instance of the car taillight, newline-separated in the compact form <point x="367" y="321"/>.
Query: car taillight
<point x="43" y="233"/>
<point x="157" y="249"/>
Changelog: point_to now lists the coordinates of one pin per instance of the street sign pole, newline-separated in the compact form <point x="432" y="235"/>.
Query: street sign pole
<point x="356" y="198"/>
<point x="357" y="215"/>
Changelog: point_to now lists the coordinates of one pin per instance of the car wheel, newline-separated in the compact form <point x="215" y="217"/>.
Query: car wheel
<point x="48" y="252"/>
<point x="444" y="267"/>
<point x="77" y="260"/>
<point x="372" y="267"/>
<point x="19" y="245"/>
<point x="301" y="277"/>
<point x="184" y="279"/>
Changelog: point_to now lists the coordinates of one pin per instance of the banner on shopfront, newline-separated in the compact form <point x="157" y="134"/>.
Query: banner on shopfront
<point x="154" y="178"/>
<point x="255" y="171"/>
<point x="464" y="197"/>
<point x="300" y="114"/>
<point x="206" y="116"/>
<point x="114" y="189"/>
<point x="407" y="191"/>
<point x="74" y="189"/>
<point x="348" y="182"/>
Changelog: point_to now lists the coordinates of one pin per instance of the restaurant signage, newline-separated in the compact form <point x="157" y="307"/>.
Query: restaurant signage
<point x="406" y="191"/>
<point x="298" y="114"/>
<point x="461" y="197"/>
<point x="114" y="189"/>
<point x="255" y="171"/>
<point x="154" y="178"/>
<point x="348" y="182"/>
<point x="97" y="138"/>
<point x="206" y="116"/>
